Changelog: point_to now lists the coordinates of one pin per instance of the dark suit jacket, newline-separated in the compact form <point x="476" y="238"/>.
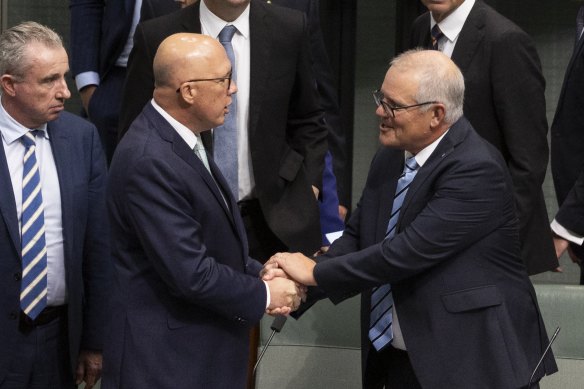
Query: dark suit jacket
<point x="467" y="310"/>
<point x="99" y="32"/>
<point x="286" y="134"/>
<point x="567" y="139"/>
<point x="100" y="29"/>
<point x="505" y="102"/>
<point x="327" y="90"/>
<point x="82" y="173"/>
<point x="187" y="293"/>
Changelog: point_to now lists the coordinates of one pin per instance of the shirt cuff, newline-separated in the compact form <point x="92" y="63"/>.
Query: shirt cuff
<point x="86" y="78"/>
<point x="562" y="232"/>
<point x="268" y="299"/>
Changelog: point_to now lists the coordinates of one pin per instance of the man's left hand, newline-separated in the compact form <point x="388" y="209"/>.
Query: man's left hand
<point x="88" y="368"/>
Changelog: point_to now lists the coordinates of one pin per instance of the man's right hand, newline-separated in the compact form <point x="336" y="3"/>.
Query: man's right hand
<point x="285" y="295"/>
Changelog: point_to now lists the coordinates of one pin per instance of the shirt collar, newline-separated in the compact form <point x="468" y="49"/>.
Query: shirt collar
<point x="425" y="153"/>
<point x="187" y="135"/>
<point x="12" y="130"/>
<point x="453" y="23"/>
<point x="212" y="24"/>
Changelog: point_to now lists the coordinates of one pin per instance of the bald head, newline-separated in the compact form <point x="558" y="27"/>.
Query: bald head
<point x="185" y="56"/>
<point x="438" y="78"/>
<point x="192" y="80"/>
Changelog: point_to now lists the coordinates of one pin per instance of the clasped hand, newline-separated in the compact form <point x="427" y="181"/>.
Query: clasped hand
<point x="285" y="269"/>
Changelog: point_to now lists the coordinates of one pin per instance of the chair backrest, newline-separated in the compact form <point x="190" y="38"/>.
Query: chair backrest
<point x="563" y="306"/>
<point x="320" y="350"/>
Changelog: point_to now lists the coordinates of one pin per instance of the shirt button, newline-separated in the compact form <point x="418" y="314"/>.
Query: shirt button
<point x="17" y="276"/>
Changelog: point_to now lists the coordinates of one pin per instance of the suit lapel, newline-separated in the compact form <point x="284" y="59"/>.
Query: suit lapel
<point x="181" y="149"/>
<point x="470" y="37"/>
<point x="189" y="20"/>
<point x="260" y="43"/>
<point x="7" y="202"/>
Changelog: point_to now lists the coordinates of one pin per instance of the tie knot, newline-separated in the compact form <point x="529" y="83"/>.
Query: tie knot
<point x="227" y="33"/>
<point x="28" y="139"/>
<point x="436" y="32"/>
<point x="436" y="35"/>
<point x="411" y="164"/>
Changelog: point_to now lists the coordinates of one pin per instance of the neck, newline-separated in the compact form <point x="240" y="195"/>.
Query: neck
<point x="224" y="11"/>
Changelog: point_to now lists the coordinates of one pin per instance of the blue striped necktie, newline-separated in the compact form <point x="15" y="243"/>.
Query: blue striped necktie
<point x="33" y="289"/>
<point x="225" y="136"/>
<point x="380" y="332"/>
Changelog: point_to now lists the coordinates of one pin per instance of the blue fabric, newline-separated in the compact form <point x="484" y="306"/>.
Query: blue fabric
<point x="380" y="330"/>
<point x="330" y="220"/>
<point x="225" y="136"/>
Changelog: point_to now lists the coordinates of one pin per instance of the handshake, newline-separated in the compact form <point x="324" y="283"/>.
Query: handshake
<point x="287" y="276"/>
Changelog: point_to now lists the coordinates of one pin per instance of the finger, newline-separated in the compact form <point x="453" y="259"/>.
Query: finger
<point x="79" y="373"/>
<point x="272" y="273"/>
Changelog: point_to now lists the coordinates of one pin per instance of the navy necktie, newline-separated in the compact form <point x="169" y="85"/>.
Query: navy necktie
<point x="225" y="136"/>
<point x="33" y="290"/>
<point x="436" y="34"/>
<point x="380" y="331"/>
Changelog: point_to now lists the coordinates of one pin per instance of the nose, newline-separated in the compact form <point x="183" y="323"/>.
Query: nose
<point x="232" y="88"/>
<point x="380" y="111"/>
<point x="62" y="90"/>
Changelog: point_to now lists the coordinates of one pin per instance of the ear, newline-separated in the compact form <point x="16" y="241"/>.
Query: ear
<point x="7" y="82"/>
<point x="188" y="93"/>
<point x="438" y="114"/>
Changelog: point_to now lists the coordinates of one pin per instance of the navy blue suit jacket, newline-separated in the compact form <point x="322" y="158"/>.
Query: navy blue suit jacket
<point x="187" y="293"/>
<point x="505" y="102"/>
<point x="466" y="308"/>
<point x="99" y="30"/>
<point x="82" y="178"/>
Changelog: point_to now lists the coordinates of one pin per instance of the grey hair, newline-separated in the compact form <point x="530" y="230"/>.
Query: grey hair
<point x="436" y="80"/>
<point x="14" y="42"/>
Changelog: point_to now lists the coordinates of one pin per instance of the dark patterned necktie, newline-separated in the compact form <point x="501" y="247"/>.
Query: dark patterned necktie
<point x="436" y="35"/>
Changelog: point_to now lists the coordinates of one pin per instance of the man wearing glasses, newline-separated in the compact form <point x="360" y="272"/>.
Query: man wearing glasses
<point x="433" y="246"/>
<point x="187" y="293"/>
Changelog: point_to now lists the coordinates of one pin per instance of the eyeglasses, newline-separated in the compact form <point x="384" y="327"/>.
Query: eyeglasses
<point x="378" y="97"/>
<point x="222" y="79"/>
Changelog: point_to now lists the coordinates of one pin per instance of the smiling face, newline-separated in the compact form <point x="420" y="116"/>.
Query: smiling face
<point x="39" y="96"/>
<point x="410" y="129"/>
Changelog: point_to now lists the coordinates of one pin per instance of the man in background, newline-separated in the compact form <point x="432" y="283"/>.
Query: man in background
<point x="102" y="35"/>
<point x="54" y="237"/>
<point x="504" y="101"/>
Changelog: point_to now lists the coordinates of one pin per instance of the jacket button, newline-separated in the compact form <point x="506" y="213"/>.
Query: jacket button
<point x="17" y="276"/>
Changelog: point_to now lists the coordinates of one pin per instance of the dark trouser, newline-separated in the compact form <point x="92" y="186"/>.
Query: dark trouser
<point x="41" y="358"/>
<point x="390" y="369"/>
<point x="104" y="109"/>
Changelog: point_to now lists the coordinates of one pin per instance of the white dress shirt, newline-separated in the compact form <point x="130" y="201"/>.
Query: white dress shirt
<point x="421" y="158"/>
<point x="12" y="131"/>
<point x="212" y="25"/>
<point x="451" y="26"/>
